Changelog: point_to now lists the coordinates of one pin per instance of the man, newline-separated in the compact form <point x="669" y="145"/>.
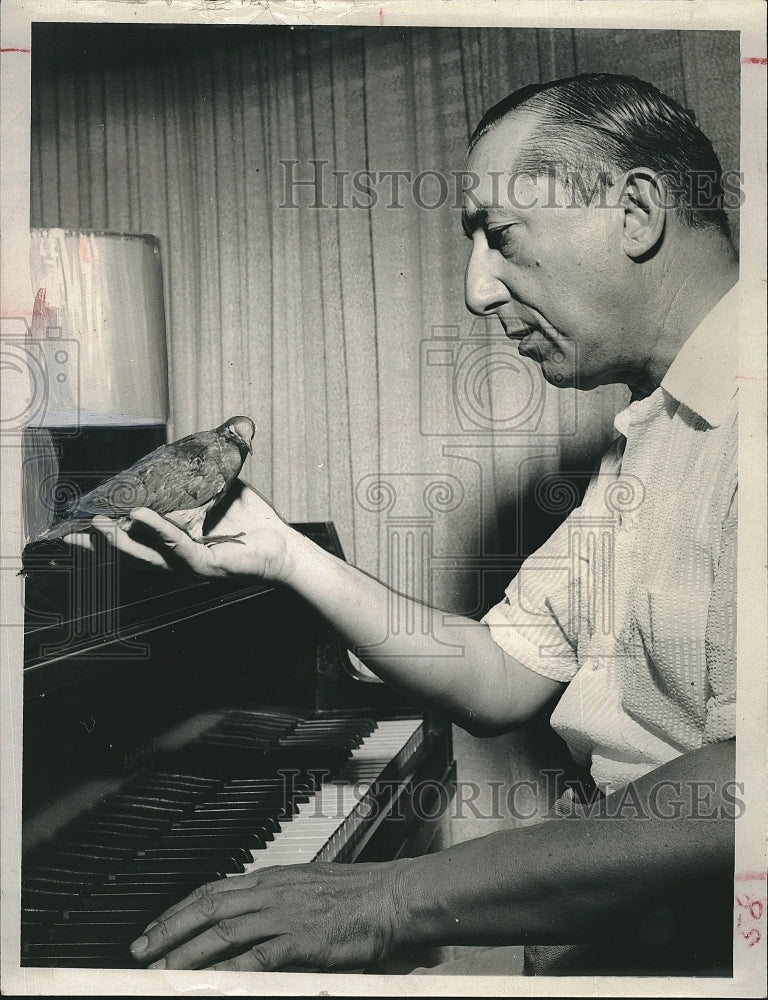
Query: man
<point x="607" y="260"/>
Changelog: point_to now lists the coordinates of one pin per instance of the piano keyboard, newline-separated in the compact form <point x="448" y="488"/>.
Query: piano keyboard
<point x="251" y="791"/>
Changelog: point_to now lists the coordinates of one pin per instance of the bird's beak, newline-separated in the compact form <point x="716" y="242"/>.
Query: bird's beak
<point x="249" y="446"/>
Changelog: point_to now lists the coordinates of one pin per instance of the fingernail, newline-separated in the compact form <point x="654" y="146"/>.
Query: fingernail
<point x="140" y="944"/>
<point x="159" y="964"/>
<point x="149" y="927"/>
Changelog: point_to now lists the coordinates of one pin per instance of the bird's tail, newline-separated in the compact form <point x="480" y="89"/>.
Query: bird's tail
<point x="69" y="526"/>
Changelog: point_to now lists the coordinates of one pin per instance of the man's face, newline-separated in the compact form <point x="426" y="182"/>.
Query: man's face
<point x="555" y="276"/>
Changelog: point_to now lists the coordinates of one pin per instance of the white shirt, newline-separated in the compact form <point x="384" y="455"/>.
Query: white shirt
<point x="632" y="601"/>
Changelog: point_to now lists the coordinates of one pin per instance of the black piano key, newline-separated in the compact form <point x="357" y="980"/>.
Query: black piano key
<point x="244" y="813"/>
<point x="152" y="798"/>
<point x="276" y="800"/>
<point x="66" y="871"/>
<point x="111" y="848"/>
<point x="274" y="793"/>
<point x="182" y="864"/>
<point x="54" y="882"/>
<point x="194" y="839"/>
<point x="194" y="782"/>
<point x="212" y="855"/>
<point x="121" y="959"/>
<point x="151" y="809"/>
<point x="107" y="837"/>
<point x="314" y="744"/>
<point x="93" y="951"/>
<point x="140" y="885"/>
<point x="246" y="729"/>
<point x="122" y="824"/>
<point x="125" y="902"/>
<point x="91" y="857"/>
<point x="77" y="861"/>
<point x="120" y="816"/>
<point x="324" y="731"/>
<point x="268" y="820"/>
<point x="276" y="722"/>
<point x="255" y="796"/>
<point x="234" y="740"/>
<point x="46" y="899"/>
<point x="166" y="794"/>
<point x="265" y="827"/>
<point x="110" y="930"/>
<point x="256" y="799"/>
<point x="185" y="880"/>
<point x="278" y="781"/>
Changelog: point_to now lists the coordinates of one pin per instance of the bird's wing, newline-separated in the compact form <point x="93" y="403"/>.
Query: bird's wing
<point x="174" y="477"/>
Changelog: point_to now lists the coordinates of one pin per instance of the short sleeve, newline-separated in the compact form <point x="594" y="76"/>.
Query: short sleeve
<point x="720" y="640"/>
<point x="533" y="622"/>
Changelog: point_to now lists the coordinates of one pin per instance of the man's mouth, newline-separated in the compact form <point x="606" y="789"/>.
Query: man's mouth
<point x="527" y="349"/>
<point x="524" y="336"/>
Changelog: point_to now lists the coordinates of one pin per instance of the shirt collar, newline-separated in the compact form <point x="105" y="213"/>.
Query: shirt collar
<point x="703" y="374"/>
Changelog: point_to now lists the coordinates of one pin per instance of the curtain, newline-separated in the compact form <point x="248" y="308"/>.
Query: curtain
<point x="316" y="321"/>
<point x="380" y="404"/>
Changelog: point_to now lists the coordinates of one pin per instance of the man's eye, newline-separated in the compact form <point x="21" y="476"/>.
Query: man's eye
<point x="502" y="238"/>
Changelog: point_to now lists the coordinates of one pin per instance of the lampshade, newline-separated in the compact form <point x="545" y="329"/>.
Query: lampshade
<point x="99" y="328"/>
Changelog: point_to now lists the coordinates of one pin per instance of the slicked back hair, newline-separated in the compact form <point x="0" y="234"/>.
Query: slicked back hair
<point x="591" y="127"/>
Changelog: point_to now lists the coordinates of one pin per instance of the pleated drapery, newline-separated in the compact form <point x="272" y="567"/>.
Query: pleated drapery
<point x="314" y="320"/>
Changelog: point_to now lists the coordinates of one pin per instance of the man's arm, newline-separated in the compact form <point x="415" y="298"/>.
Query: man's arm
<point x="571" y="881"/>
<point x="448" y="660"/>
<point x="560" y="881"/>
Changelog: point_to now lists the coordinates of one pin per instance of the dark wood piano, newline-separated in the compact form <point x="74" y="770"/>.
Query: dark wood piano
<point x="178" y="731"/>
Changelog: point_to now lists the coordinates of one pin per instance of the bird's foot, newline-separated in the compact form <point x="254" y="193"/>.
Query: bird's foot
<point x="216" y="539"/>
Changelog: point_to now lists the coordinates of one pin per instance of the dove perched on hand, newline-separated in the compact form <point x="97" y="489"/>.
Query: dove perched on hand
<point x="182" y="481"/>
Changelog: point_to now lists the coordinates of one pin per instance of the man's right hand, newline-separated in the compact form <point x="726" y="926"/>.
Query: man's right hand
<point x="260" y="549"/>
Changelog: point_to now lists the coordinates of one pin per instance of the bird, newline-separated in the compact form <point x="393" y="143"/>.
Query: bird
<point x="182" y="481"/>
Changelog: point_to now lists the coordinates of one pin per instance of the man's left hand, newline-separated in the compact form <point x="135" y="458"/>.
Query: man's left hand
<point x="319" y="916"/>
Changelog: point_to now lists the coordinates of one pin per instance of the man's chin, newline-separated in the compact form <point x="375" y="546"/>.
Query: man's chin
<point x="559" y="378"/>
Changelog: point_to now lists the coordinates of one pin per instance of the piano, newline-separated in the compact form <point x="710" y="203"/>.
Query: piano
<point x="178" y="731"/>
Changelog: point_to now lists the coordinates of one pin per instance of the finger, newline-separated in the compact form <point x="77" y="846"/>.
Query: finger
<point x="205" y="908"/>
<point x="266" y="956"/>
<point x="80" y="539"/>
<point x="227" y="937"/>
<point x="120" y="539"/>
<point x="168" y="532"/>
<point x="237" y="882"/>
<point x="181" y="551"/>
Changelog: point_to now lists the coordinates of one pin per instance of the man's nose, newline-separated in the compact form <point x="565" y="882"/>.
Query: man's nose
<point x="484" y="291"/>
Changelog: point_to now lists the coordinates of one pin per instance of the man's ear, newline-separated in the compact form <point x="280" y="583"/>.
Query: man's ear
<point x="643" y="198"/>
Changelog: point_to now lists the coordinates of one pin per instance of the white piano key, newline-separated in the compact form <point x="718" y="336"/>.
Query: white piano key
<point x="329" y="816"/>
